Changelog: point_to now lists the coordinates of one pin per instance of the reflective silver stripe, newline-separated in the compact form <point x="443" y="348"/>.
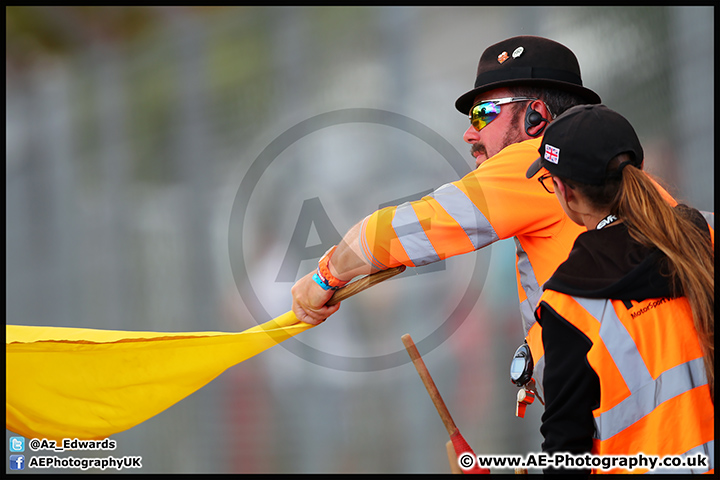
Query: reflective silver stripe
<point x="529" y="283"/>
<point x="618" y="342"/>
<point x="709" y="218"/>
<point x="646" y="393"/>
<point x="707" y="449"/>
<point x="412" y="236"/>
<point x="644" y="400"/>
<point x="527" y="313"/>
<point x="466" y="214"/>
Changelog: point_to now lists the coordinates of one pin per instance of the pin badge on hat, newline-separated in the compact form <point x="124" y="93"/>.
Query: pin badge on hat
<point x="502" y="57"/>
<point x="518" y="51"/>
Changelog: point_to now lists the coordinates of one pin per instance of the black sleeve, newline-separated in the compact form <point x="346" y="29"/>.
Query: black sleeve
<point x="571" y="388"/>
<point x="694" y="216"/>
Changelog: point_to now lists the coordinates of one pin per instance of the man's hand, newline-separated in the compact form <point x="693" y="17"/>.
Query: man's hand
<point x="309" y="301"/>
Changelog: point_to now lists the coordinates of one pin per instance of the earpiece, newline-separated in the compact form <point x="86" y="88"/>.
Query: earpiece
<point x="533" y="118"/>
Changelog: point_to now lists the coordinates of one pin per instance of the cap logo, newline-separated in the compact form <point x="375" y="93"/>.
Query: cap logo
<point x="518" y="51"/>
<point x="552" y="154"/>
<point x="502" y="57"/>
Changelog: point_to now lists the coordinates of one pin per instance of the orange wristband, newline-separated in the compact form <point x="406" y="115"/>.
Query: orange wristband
<point x="324" y="271"/>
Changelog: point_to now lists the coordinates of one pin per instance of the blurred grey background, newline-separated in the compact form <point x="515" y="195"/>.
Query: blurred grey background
<point x="129" y="131"/>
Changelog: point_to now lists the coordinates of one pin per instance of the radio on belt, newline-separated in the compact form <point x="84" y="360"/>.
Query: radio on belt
<point x="521" y="371"/>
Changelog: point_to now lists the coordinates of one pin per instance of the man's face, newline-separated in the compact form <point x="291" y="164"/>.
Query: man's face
<point x="506" y="129"/>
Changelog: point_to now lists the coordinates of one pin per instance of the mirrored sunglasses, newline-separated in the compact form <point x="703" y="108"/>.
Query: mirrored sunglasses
<point x="488" y="110"/>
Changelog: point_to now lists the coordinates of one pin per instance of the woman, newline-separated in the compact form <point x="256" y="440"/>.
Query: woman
<point x="628" y="319"/>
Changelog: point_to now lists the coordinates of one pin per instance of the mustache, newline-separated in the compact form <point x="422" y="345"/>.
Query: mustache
<point x="478" y="148"/>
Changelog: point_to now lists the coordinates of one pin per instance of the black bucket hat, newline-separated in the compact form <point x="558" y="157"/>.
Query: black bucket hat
<point x="527" y="60"/>
<point x="579" y="144"/>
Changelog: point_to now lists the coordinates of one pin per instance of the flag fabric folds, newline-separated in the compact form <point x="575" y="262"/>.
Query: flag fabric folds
<point x="90" y="384"/>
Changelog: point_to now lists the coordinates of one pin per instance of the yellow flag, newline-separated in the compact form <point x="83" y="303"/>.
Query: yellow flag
<point x="90" y="384"/>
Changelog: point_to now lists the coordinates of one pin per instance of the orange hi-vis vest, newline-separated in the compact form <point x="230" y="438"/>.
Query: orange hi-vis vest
<point x="534" y="334"/>
<point x="654" y="394"/>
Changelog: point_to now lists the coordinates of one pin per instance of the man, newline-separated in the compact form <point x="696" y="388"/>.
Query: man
<point x="522" y="83"/>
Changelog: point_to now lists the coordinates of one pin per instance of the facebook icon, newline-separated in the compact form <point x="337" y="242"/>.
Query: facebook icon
<point x="17" y="462"/>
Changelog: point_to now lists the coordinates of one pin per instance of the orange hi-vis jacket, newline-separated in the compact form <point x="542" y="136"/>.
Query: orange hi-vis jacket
<point x="654" y="394"/>
<point x="494" y="202"/>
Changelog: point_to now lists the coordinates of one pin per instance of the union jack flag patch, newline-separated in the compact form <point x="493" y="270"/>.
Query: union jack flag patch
<point x="552" y="154"/>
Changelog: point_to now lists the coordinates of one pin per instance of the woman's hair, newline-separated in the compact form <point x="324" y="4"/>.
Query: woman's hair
<point x="634" y="198"/>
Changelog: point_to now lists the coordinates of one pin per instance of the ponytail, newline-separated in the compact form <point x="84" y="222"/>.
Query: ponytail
<point x="653" y="222"/>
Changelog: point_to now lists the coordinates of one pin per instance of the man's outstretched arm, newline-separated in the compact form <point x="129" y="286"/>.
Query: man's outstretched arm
<point x="345" y="263"/>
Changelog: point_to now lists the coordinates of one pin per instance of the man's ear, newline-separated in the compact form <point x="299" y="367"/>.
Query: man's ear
<point x="537" y="117"/>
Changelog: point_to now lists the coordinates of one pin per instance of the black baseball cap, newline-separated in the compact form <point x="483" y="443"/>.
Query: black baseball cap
<point x="579" y="144"/>
<point x="527" y="60"/>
